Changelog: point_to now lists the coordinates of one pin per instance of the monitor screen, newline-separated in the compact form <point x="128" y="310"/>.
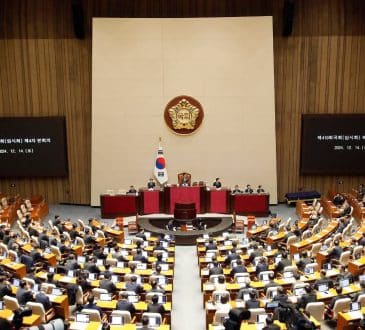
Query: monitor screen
<point x="164" y="267"/>
<point x="333" y="144"/>
<point x="120" y="264"/>
<point x="81" y="259"/>
<point x="344" y="283"/>
<point x="261" y="318"/>
<point x="327" y="266"/>
<point x="154" y="321"/>
<point x="309" y="270"/>
<point x="141" y="266"/>
<point x="264" y="277"/>
<point x="115" y="278"/>
<point x="322" y="287"/>
<point x="70" y="273"/>
<point x="82" y="317"/>
<point x="355" y="306"/>
<point x="15" y="282"/>
<point x="362" y="278"/>
<point x="56" y="292"/>
<point x="162" y="299"/>
<point x="92" y="276"/>
<point x="1" y="305"/>
<point x="105" y="297"/>
<point x="133" y="298"/>
<point x="33" y="147"/>
<point x="288" y="274"/>
<point x="299" y="292"/>
<point x="116" y="320"/>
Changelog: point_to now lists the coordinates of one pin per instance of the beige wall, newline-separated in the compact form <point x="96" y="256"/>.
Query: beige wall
<point x="139" y="65"/>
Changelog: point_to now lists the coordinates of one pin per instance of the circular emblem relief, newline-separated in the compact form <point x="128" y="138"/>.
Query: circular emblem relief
<point x="183" y="114"/>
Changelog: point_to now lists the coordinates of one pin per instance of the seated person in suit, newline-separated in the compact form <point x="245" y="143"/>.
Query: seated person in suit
<point x="323" y="280"/>
<point x="217" y="184"/>
<point x="134" y="286"/>
<point x="281" y="296"/>
<point x="260" y="190"/>
<point x="306" y="298"/>
<point x="236" y="190"/>
<point x="239" y="268"/>
<point x="132" y="190"/>
<point x="270" y="325"/>
<point x="151" y="184"/>
<point x="139" y="256"/>
<point x="155" y="306"/>
<point x="345" y="275"/>
<point x="24" y="294"/>
<point x="221" y="285"/>
<point x="43" y="298"/>
<point x="261" y="266"/>
<point x="336" y="251"/>
<point x="91" y="305"/>
<point x="271" y="283"/>
<point x="107" y="284"/>
<point x="285" y="261"/>
<point x="231" y="256"/>
<point x="359" y="293"/>
<point x="211" y="245"/>
<point x="124" y="305"/>
<point x="248" y="189"/>
<point x="215" y="268"/>
<point x="144" y="324"/>
<point x="253" y="302"/>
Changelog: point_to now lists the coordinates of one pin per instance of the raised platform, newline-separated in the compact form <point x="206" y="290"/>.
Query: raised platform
<point x="215" y="226"/>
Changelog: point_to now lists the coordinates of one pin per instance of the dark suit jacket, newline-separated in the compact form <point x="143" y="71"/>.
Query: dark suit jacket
<point x="140" y="257"/>
<point x="252" y="303"/>
<point x="336" y="253"/>
<point x="282" y="264"/>
<point x="125" y="305"/>
<point x="305" y="299"/>
<point x="217" y="184"/>
<point x="5" y="290"/>
<point x="42" y="298"/>
<point x="215" y="271"/>
<point x="151" y="185"/>
<point x="156" y="308"/>
<point x="24" y="296"/>
<point x="108" y="285"/>
<point x="238" y="269"/>
<point x="261" y="268"/>
<point x="213" y="246"/>
<point x="93" y="306"/>
<point x="135" y="287"/>
<point x="230" y="257"/>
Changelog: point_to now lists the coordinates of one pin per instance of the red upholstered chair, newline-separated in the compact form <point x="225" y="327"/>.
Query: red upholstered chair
<point x="181" y="176"/>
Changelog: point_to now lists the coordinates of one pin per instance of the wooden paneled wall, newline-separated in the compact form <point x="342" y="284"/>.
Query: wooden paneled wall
<point x="45" y="70"/>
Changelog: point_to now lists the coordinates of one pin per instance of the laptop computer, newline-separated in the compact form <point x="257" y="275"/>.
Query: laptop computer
<point x="264" y="277"/>
<point x="128" y="241"/>
<point x="154" y="322"/>
<point x="323" y="288"/>
<point x="272" y="305"/>
<point x="116" y="320"/>
<point x="133" y="298"/>
<point x="288" y="274"/>
<point x="327" y="266"/>
<point x="162" y="299"/>
<point x="115" y="279"/>
<point x="309" y="270"/>
<point x="296" y="256"/>
<point x="261" y="318"/>
<point x="344" y="283"/>
<point x="105" y="297"/>
<point x="82" y="317"/>
<point x="355" y="306"/>
<point x="141" y="266"/>
<point x="56" y="292"/>
<point x="164" y="267"/>
<point x="99" y="262"/>
<point x="92" y="276"/>
<point x="299" y="292"/>
<point x="81" y="259"/>
<point x="16" y="282"/>
<point x="120" y="264"/>
<point x="1" y="305"/>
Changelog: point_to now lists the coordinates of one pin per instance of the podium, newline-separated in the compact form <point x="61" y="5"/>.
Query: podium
<point x="184" y="212"/>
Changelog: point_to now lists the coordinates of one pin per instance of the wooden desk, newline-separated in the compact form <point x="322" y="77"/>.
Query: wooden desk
<point x="31" y="320"/>
<point x="348" y="321"/>
<point x="97" y="326"/>
<point x="356" y="267"/>
<point x="258" y="231"/>
<point x="16" y="268"/>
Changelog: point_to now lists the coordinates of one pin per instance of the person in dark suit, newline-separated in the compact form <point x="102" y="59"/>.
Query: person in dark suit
<point x="260" y="190"/>
<point x="91" y="266"/>
<point x="24" y="294"/>
<point x="155" y="306"/>
<point x="323" y="280"/>
<point x="253" y="302"/>
<point x="151" y="184"/>
<point x="5" y="287"/>
<point x="42" y="298"/>
<point x="216" y="268"/>
<point x="285" y="261"/>
<point x="261" y="266"/>
<point x="270" y="325"/>
<point x="304" y="261"/>
<point x="27" y="261"/>
<point x="71" y="263"/>
<point x="155" y="287"/>
<point x="217" y="184"/>
<point x="240" y="268"/>
<point x="345" y="275"/>
<point x="211" y="245"/>
<point x="248" y="189"/>
<point x="271" y="283"/>
<point x="236" y="190"/>
<point x="89" y="239"/>
<point x="281" y="296"/>
<point x="140" y="257"/>
<point x="107" y="284"/>
<point x="307" y="298"/>
<point x="362" y="239"/>
<point x="336" y="251"/>
<point x="231" y="256"/>
<point x="124" y="305"/>
<point x="134" y="286"/>
<point x="132" y="190"/>
<point x="91" y="305"/>
<point x="255" y="253"/>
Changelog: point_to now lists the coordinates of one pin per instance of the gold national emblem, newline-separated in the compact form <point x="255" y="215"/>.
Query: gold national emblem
<point x="184" y="114"/>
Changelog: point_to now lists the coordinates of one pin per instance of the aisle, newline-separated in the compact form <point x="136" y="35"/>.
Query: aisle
<point x="187" y="312"/>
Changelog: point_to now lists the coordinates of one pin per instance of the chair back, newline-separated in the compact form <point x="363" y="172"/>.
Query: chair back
<point x="79" y="296"/>
<point x="316" y="309"/>
<point x="246" y="277"/>
<point x="291" y="240"/>
<point x="38" y="309"/>
<point x="99" y="234"/>
<point x="126" y="315"/>
<point x="149" y="296"/>
<point x="313" y="265"/>
<point x="80" y="241"/>
<point x="265" y="273"/>
<point x="56" y="251"/>
<point x="357" y="251"/>
<point x="306" y="234"/>
<point x="94" y="314"/>
<point x="154" y="316"/>
<point x="219" y="317"/>
<point x="316" y="247"/>
<point x="11" y="303"/>
<point x="293" y="269"/>
<point x="180" y="177"/>
<point x="361" y="300"/>
<point x="341" y="305"/>
<point x="97" y="292"/>
<point x="345" y="258"/>
<point x="111" y="261"/>
<point x="254" y="312"/>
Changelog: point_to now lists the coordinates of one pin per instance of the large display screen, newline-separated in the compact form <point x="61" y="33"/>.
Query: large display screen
<point x="33" y="147"/>
<point x="333" y="144"/>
